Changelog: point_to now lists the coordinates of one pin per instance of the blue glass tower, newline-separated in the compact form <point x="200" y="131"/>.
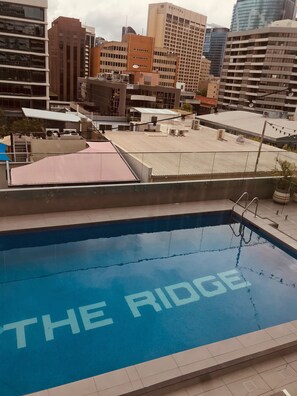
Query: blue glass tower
<point x="214" y="48"/>
<point x="254" y="14"/>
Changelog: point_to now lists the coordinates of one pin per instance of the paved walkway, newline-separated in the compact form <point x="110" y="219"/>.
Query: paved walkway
<point x="283" y="215"/>
<point x="265" y="376"/>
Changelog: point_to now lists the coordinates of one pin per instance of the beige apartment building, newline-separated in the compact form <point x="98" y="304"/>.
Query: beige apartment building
<point x="260" y="69"/>
<point x="182" y="32"/>
<point x="135" y="53"/>
<point x="205" y="69"/>
<point x="213" y="88"/>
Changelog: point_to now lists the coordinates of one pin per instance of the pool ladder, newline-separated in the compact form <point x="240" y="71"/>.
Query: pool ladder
<point x="247" y="205"/>
<point x="241" y="232"/>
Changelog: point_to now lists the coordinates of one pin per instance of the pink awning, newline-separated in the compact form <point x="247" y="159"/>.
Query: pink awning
<point x="99" y="163"/>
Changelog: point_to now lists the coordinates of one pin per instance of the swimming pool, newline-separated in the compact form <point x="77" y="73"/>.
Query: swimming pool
<point x="82" y="301"/>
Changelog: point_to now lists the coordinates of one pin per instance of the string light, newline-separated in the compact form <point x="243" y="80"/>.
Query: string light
<point x="281" y="130"/>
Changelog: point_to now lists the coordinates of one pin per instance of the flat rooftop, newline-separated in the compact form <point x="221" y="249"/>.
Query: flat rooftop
<point x="198" y="152"/>
<point x="252" y="124"/>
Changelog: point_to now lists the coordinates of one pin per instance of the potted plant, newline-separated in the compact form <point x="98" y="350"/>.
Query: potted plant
<point x="282" y="191"/>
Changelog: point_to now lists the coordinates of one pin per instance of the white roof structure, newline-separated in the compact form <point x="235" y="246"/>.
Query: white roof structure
<point x="145" y="110"/>
<point x="50" y="115"/>
<point x="6" y="140"/>
<point x="250" y="123"/>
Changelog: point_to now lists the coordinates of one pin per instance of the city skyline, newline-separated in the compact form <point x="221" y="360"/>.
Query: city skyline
<point x="108" y="18"/>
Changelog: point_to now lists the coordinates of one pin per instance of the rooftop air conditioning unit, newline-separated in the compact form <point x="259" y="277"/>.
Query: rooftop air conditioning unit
<point x="70" y="131"/>
<point x="151" y="127"/>
<point x="196" y="125"/>
<point x="52" y="131"/>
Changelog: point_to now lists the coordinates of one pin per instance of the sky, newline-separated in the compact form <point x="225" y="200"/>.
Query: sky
<point x="108" y="16"/>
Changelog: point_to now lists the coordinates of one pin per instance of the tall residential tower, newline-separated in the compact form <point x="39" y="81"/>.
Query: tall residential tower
<point x="24" y="75"/>
<point x="182" y="32"/>
<point x="260" y="68"/>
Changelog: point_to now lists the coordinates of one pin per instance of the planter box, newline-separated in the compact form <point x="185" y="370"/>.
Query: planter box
<point x="281" y="197"/>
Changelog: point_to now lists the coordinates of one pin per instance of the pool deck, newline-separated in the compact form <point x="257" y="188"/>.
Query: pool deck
<point x="259" y="363"/>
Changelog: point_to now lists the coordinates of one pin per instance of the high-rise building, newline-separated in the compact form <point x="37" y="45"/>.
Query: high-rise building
<point x="69" y="45"/>
<point x="127" y="30"/>
<point x="89" y="44"/>
<point x="24" y="79"/>
<point x="135" y="53"/>
<point x="182" y="32"/>
<point x="259" y="63"/>
<point x="214" y="47"/>
<point x="254" y="14"/>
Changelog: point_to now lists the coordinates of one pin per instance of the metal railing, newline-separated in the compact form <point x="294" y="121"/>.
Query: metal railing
<point x="254" y="200"/>
<point x="170" y="166"/>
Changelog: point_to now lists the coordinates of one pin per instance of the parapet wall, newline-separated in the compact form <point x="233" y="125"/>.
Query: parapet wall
<point x="58" y="199"/>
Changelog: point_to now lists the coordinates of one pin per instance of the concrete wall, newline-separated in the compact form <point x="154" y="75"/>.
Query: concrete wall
<point x="56" y="199"/>
<point x="140" y="168"/>
<point x="41" y="148"/>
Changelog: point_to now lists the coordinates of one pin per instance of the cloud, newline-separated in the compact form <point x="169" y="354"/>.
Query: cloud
<point x="108" y="17"/>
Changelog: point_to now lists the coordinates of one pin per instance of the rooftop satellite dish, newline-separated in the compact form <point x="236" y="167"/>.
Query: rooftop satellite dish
<point x="135" y="66"/>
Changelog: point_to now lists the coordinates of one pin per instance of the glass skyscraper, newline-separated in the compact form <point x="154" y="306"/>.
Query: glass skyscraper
<point x="214" y="47"/>
<point x="254" y="14"/>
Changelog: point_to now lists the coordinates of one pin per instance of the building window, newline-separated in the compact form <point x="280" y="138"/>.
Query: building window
<point x="21" y="11"/>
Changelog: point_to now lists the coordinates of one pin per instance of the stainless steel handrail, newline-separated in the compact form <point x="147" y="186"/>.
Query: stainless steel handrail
<point x="240" y="198"/>
<point x="256" y="199"/>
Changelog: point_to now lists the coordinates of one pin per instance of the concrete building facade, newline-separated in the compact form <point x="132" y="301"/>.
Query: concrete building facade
<point x="254" y="14"/>
<point x="213" y="88"/>
<point x="68" y="56"/>
<point x="261" y="62"/>
<point x="135" y="53"/>
<point x="115" y="96"/>
<point x="214" y="47"/>
<point x="24" y="66"/>
<point x="182" y="32"/>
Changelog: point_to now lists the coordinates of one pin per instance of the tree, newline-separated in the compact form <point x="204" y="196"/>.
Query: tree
<point x="187" y="107"/>
<point x="26" y="125"/>
<point x="3" y="126"/>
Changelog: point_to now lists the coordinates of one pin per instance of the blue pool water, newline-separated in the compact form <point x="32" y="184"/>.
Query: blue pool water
<point x="75" y="303"/>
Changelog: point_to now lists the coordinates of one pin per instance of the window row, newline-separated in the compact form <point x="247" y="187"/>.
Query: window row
<point x="22" y="75"/>
<point x="164" y="62"/>
<point x="22" y="90"/>
<point x="111" y="55"/>
<point x="21" y="11"/>
<point x="18" y="103"/>
<point x="114" y="64"/>
<point x="24" y="28"/>
<point x="165" y="69"/>
<point x="22" y="60"/>
<point x="22" y="44"/>
<point x="115" y="48"/>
